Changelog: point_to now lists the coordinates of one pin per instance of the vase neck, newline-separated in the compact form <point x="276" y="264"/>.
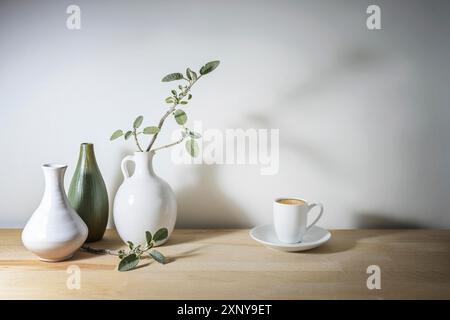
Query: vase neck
<point x="54" y="181"/>
<point x="143" y="163"/>
<point x="87" y="156"/>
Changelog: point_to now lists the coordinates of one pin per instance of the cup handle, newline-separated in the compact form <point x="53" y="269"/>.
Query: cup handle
<point x="123" y="166"/>
<point x="312" y="205"/>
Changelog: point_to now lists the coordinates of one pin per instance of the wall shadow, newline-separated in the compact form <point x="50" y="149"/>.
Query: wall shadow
<point x="378" y="220"/>
<point x="203" y="203"/>
<point x="294" y="100"/>
<point x="350" y="61"/>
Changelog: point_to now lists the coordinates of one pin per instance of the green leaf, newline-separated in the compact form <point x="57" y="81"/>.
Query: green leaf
<point x="189" y="96"/>
<point x="116" y="134"/>
<point x="210" y="66"/>
<point x="192" y="147"/>
<point x="161" y="234"/>
<point x="128" y="135"/>
<point x="191" y="75"/>
<point x="172" y="77"/>
<point x="174" y="93"/>
<point x="151" y="130"/>
<point x="129" y="262"/>
<point x="180" y="117"/>
<point x="169" y="100"/>
<point x="130" y="245"/>
<point x="148" y="237"/>
<point x="183" y="102"/>
<point x="158" y="256"/>
<point x="194" y="135"/>
<point x="121" y="254"/>
<point x="188" y="74"/>
<point x="137" y="123"/>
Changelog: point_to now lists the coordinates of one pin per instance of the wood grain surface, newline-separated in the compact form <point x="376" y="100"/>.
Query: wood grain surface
<point x="228" y="264"/>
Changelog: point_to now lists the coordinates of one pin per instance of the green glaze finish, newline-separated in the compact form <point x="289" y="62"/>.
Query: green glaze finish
<point x="88" y="195"/>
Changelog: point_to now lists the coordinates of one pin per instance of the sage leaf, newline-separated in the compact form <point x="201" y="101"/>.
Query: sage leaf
<point x="169" y="99"/>
<point x="130" y="245"/>
<point x="189" y="96"/>
<point x="188" y="74"/>
<point x="151" y="130"/>
<point x="121" y="254"/>
<point x="148" y="237"/>
<point x="158" y="256"/>
<point x="180" y="117"/>
<point x="128" y="135"/>
<point x="172" y="77"/>
<point x="137" y="123"/>
<point x="129" y="262"/>
<point x="192" y="147"/>
<point x="161" y="234"/>
<point x="210" y="66"/>
<point x="183" y="102"/>
<point x="174" y="93"/>
<point x="116" y="134"/>
<point x="191" y="75"/>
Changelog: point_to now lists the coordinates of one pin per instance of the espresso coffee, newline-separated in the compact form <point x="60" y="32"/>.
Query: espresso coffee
<point x="291" y="201"/>
<point x="290" y="217"/>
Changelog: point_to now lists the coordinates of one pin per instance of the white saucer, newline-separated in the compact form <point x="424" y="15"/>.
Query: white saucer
<point x="315" y="237"/>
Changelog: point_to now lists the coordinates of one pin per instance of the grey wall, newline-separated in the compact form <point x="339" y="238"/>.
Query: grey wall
<point x="363" y="115"/>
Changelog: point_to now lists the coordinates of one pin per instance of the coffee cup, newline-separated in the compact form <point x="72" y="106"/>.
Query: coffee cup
<point x="290" y="216"/>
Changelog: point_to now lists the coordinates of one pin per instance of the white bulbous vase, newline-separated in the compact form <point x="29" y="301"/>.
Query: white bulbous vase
<point x="144" y="201"/>
<point x="55" y="231"/>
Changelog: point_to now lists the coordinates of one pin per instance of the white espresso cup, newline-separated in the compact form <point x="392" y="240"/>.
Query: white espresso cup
<point x="290" y="216"/>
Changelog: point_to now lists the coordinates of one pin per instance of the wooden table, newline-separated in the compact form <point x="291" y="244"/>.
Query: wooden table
<point x="228" y="264"/>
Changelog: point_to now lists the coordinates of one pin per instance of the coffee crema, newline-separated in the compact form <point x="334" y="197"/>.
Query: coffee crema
<point x="291" y="201"/>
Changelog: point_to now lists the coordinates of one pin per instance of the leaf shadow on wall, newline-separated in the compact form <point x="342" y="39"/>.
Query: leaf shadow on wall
<point x="203" y="203"/>
<point x="348" y="63"/>
<point x="294" y="101"/>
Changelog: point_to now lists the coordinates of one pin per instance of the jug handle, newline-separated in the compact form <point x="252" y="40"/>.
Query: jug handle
<point x="123" y="166"/>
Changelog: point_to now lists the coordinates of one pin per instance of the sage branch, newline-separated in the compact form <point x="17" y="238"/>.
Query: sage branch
<point x="179" y="97"/>
<point x="129" y="259"/>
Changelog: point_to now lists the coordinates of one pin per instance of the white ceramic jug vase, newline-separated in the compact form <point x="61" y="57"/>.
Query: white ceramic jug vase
<point x="144" y="201"/>
<point x="55" y="231"/>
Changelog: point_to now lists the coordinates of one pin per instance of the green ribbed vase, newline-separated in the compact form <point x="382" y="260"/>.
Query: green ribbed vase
<point x="88" y="195"/>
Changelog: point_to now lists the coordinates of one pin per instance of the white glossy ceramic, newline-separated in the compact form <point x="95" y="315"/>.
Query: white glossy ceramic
<point x="144" y="201"/>
<point x="266" y="235"/>
<point x="55" y="231"/>
<point x="290" y="220"/>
